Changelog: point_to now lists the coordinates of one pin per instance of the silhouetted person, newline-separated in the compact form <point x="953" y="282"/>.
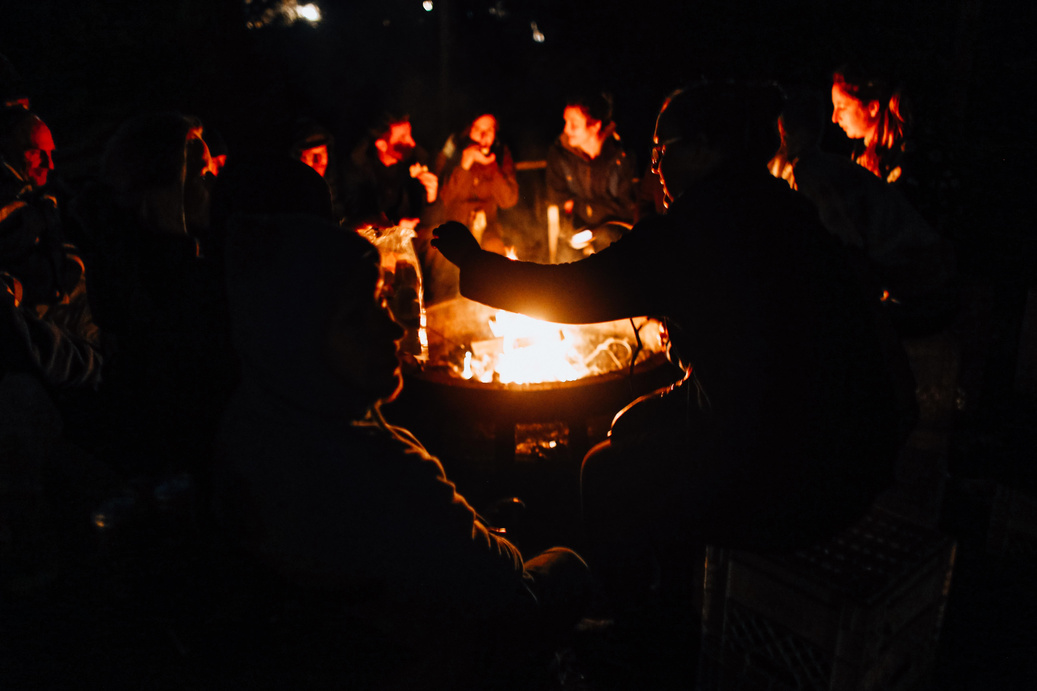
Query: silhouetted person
<point x="314" y="145"/>
<point x="265" y="184"/>
<point x="315" y="486"/>
<point x="785" y="426"/>
<point x="160" y="303"/>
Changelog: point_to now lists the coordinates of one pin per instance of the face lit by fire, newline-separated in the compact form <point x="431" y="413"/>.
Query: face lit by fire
<point x="665" y="139"/>
<point x="362" y="345"/>
<point x="316" y="157"/>
<point x="396" y="145"/>
<point x="858" y="119"/>
<point x="39" y="157"/>
<point x="483" y="131"/>
<point x="581" y="132"/>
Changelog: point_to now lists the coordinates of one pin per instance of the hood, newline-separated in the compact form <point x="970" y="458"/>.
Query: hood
<point x="286" y="275"/>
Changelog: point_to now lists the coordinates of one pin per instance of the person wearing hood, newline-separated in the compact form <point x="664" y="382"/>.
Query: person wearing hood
<point x="314" y="145"/>
<point x="158" y="301"/>
<point x="590" y="177"/>
<point x="314" y="485"/>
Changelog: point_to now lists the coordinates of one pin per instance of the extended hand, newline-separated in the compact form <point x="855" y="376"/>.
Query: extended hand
<point x="455" y="242"/>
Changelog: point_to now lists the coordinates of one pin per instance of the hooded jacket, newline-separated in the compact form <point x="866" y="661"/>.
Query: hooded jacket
<point x="309" y="479"/>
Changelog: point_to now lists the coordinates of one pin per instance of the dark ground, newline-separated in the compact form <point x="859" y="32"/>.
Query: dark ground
<point x="129" y="607"/>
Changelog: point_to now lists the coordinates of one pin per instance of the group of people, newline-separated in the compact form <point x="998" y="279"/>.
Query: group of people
<point x="389" y="180"/>
<point x="221" y="318"/>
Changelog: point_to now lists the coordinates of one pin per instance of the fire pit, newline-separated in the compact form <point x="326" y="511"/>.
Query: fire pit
<point x="523" y="381"/>
<point x="524" y="430"/>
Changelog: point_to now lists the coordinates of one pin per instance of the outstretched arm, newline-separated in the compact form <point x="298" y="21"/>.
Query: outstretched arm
<point x="612" y="284"/>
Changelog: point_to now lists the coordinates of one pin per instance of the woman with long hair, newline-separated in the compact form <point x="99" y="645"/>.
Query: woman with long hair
<point x="871" y="111"/>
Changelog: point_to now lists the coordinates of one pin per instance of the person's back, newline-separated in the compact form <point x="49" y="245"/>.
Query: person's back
<point x="792" y="424"/>
<point x="314" y="485"/>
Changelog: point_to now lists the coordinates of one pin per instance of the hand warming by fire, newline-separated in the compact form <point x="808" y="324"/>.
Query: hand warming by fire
<point x="496" y="346"/>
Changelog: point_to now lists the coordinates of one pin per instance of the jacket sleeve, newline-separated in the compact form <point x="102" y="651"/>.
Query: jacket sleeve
<point x="613" y="196"/>
<point x="62" y="358"/>
<point x="621" y="186"/>
<point x="448" y="548"/>
<point x="623" y="280"/>
<point x="558" y="190"/>
<point x="504" y="183"/>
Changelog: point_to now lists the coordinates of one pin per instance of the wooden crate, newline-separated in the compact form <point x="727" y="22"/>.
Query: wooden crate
<point x="861" y="612"/>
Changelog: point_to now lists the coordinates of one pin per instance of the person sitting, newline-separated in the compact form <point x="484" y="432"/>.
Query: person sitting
<point x="786" y="425"/>
<point x="169" y="366"/>
<point x="314" y="486"/>
<point x="314" y="145"/>
<point x="478" y="177"/>
<point x="589" y="174"/>
<point x="47" y="326"/>
<point x="870" y="112"/>
<point x="388" y="182"/>
<point x="912" y="265"/>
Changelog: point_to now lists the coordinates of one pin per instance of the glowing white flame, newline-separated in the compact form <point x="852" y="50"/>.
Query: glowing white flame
<point x="310" y="13"/>
<point x="427" y="5"/>
<point x="525" y="351"/>
<point x="512" y="349"/>
<point x="581" y="239"/>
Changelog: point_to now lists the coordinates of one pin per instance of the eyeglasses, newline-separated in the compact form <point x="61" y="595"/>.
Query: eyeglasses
<point x="659" y="150"/>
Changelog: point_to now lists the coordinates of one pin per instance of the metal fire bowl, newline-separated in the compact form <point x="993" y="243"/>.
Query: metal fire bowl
<point x="442" y="395"/>
<point x="517" y="440"/>
<point x="439" y="391"/>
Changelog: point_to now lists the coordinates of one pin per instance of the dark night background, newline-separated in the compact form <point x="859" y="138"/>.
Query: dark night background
<point x="966" y="64"/>
<point x="969" y="67"/>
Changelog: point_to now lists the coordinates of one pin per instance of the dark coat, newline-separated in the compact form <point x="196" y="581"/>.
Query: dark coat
<point x="798" y="398"/>
<point x="381" y="195"/>
<point x="602" y="188"/>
